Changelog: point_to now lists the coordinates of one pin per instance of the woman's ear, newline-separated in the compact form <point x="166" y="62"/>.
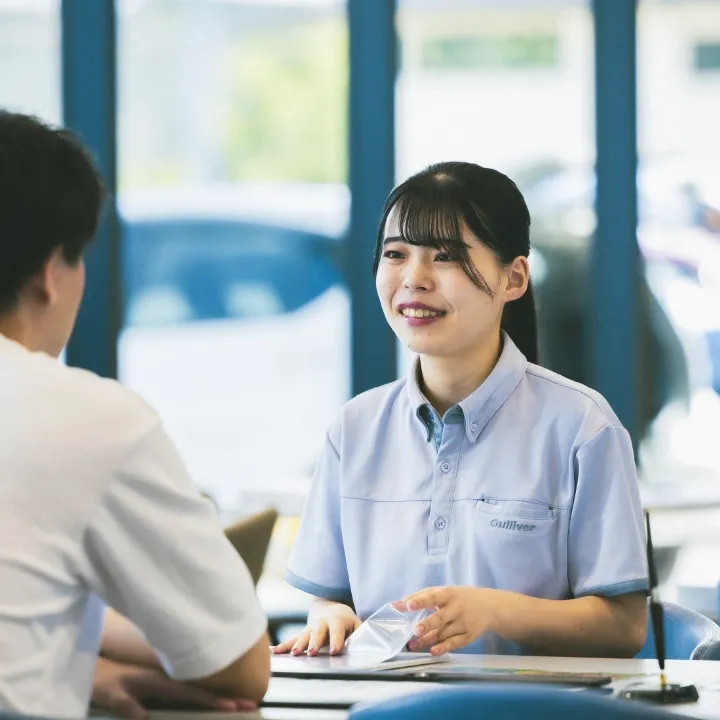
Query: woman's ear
<point x="518" y="278"/>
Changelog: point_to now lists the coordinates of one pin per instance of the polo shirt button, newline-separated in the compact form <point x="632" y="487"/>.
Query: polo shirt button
<point x="440" y="523"/>
<point x="446" y="467"/>
<point x="474" y="428"/>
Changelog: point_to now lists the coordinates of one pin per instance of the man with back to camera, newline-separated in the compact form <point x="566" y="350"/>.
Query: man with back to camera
<point x="95" y="502"/>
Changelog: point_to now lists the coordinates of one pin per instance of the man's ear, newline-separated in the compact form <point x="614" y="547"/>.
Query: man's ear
<point x="44" y="284"/>
<point x="518" y="278"/>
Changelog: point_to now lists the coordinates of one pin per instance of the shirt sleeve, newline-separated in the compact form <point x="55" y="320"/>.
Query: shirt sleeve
<point x="606" y="544"/>
<point x="317" y="563"/>
<point x="157" y="553"/>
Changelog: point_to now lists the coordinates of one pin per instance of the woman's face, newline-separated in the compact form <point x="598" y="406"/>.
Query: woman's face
<point x="429" y="301"/>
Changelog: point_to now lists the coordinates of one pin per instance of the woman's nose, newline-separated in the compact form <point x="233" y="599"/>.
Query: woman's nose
<point x="417" y="275"/>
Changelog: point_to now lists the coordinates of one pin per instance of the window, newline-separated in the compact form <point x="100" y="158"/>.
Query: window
<point x="234" y="207"/>
<point x="679" y="238"/>
<point x="30" y="39"/>
<point x="706" y="56"/>
<point x="509" y="52"/>
<point x="679" y="229"/>
<point x="537" y="127"/>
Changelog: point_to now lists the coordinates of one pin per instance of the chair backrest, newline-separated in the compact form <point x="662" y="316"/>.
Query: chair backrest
<point x="251" y="538"/>
<point x="509" y="701"/>
<point x="688" y="636"/>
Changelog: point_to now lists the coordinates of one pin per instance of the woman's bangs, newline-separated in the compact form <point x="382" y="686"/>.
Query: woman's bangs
<point x="436" y="220"/>
<point x="431" y="221"/>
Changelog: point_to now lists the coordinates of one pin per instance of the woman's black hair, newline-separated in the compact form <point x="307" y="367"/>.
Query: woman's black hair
<point x="435" y="204"/>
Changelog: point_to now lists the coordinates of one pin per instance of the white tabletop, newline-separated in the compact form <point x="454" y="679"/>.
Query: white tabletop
<point x="262" y="714"/>
<point x="704" y="674"/>
<point x="680" y="495"/>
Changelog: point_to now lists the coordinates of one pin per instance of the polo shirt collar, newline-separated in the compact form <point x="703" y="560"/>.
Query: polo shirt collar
<point x="479" y="407"/>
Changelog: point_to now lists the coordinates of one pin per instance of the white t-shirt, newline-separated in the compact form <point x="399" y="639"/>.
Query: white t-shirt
<point x="95" y="503"/>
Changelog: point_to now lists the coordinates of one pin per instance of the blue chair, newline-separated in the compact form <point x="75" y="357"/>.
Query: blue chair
<point x="688" y="636"/>
<point x="506" y="702"/>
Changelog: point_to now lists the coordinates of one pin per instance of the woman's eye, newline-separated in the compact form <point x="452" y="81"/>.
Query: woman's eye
<point x="393" y="255"/>
<point x="445" y="257"/>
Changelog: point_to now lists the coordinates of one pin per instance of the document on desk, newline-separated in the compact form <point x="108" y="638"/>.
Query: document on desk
<point x="324" y="664"/>
<point x="336" y="694"/>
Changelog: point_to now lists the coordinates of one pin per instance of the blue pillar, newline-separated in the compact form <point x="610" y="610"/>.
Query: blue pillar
<point x="372" y="169"/>
<point x="615" y="264"/>
<point x="89" y="97"/>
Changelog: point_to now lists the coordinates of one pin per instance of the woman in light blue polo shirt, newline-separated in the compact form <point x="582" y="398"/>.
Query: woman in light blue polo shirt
<point x="483" y="486"/>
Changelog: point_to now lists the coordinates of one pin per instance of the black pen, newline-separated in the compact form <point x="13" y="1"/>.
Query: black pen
<point x="656" y="609"/>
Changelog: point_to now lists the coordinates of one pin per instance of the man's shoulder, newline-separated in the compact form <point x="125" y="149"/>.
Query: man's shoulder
<point x="83" y="400"/>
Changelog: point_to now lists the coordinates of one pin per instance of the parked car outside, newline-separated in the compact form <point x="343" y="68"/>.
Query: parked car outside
<point x="236" y="328"/>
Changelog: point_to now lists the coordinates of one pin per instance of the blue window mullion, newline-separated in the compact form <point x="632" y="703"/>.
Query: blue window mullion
<point x="89" y="102"/>
<point x="373" y="47"/>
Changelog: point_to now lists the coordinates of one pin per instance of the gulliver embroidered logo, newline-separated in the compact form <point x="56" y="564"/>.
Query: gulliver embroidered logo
<point x="512" y="525"/>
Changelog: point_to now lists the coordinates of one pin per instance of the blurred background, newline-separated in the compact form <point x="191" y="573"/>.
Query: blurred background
<point x="249" y="146"/>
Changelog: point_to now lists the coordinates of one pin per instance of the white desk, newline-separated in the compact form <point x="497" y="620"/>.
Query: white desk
<point x="704" y="674"/>
<point x="688" y="494"/>
<point x="264" y="714"/>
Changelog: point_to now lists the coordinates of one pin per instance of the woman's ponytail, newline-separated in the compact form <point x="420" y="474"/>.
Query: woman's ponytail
<point x="519" y="321"/>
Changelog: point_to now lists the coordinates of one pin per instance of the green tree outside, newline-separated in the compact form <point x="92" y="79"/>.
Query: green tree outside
<point x="287" y="118"/>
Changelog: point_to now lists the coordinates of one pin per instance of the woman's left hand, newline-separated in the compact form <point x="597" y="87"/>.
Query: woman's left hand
<point x="462" y="615"/>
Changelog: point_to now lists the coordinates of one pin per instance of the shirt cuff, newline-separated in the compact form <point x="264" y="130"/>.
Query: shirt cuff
<point x="322" y="591"/>
<point x="621" y="588"/>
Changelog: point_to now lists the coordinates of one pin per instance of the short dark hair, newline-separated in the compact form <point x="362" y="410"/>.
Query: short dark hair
<point x="51" y="196"/>
<point x="435" y="202"/>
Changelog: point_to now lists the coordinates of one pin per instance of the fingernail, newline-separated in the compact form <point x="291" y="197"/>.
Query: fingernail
<point x="412" y="605"/>
<point x="333" y="649"/>
<point x="245" y="706"/>
<point x="412" y="645"/>
<point x="420" y="630"/>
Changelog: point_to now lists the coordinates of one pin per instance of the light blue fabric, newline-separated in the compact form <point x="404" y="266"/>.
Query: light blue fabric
<point x="528" y="485"/>
<point x="435" y="426"/>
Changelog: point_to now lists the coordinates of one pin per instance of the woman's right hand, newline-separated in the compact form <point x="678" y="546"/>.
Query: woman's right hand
<point x="328" y="623"/>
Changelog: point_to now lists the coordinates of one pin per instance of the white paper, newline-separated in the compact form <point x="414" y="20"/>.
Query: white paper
<point x="348" y="663"/>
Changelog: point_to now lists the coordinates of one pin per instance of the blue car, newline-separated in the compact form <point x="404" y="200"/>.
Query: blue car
<point x="236" y="329"/>
<point x="209" y="254"/>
